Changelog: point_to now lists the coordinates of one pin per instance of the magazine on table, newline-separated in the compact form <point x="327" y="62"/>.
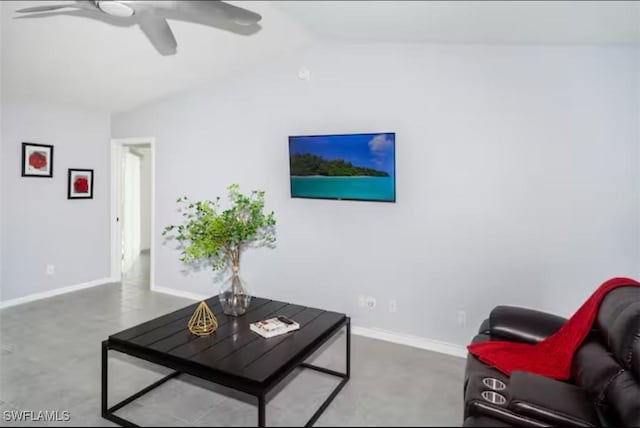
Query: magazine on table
<point x="274" y="326"/>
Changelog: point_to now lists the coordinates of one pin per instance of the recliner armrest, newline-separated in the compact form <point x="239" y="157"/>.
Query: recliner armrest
<point x="523" y="325"/>
<point x="550" y="400"/>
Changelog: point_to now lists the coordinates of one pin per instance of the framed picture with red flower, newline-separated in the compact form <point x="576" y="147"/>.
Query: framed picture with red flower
<point x="37" y="160"/>
<point x="80" y="184"/>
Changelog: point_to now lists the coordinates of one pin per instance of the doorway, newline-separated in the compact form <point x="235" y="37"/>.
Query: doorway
<point x="132" y="202"/>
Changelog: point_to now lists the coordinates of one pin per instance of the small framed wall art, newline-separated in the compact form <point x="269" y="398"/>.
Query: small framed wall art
<point x="37" y="160"/>
<point x="80" y="184"/>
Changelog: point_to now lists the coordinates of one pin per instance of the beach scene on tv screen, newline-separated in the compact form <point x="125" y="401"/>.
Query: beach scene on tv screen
<point x="357" y="166"/>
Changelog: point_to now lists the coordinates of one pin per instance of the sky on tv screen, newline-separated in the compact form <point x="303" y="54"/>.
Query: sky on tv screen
<point x="374" y="151"/>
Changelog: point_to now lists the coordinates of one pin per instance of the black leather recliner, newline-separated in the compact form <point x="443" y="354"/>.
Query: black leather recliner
<point x="604" y="389"/>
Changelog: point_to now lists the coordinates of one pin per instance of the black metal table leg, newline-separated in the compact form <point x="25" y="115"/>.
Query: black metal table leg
<point x="345" y="378"/>
<point x="262" y="411"/>
<point x="348" y="348"/>
<point x="108" y="412"/>
<point x="105" y="377"/>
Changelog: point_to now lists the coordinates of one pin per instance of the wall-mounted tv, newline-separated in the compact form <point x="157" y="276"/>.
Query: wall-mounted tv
<point x="348" y="166"/>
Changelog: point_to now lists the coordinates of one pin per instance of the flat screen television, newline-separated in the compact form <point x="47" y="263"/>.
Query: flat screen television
<point x="346" y="166"/>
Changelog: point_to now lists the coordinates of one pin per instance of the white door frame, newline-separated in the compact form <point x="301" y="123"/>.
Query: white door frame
<point x="116" y="183"/>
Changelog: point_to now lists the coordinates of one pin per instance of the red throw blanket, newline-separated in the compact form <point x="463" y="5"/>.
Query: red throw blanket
<point x="551" y="357"/>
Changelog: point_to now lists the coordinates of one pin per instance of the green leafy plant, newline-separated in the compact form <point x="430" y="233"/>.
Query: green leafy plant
<point x="216" y="236"/>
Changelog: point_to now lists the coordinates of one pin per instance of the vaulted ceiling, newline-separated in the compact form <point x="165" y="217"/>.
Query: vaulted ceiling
<point x="105" y="64"/>
<point x="471" y="21"/>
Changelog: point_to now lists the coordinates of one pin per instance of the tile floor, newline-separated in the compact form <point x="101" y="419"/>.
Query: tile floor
<point x="50" y="360"/>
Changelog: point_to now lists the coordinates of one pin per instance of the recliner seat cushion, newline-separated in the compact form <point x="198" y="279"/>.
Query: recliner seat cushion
<point x="619" y="324"/>
<point x="594" y="369"/>
<point x="623" y="394"/>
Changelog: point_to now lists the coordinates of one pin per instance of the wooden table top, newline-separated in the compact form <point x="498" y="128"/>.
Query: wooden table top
<point x="233" y="349"/>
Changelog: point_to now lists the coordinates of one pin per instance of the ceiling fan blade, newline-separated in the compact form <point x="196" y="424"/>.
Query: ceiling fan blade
<point x="46" y="8"/>
<point x="79" y="4"/>
<point x="236" y="14"/>
<point x="159" y="33"/>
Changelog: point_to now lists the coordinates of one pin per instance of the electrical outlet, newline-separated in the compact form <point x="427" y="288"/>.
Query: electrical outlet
<point x="371" y="302"/>
<point x="51" y="270"/>
<point x="393" y="306"/>
<point x="462" y="318"/>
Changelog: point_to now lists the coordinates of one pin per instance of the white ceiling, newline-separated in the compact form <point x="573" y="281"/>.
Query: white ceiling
<point x="85" y="62"/>
<point x="88" y="63"/>
<point x="471" y="21"/>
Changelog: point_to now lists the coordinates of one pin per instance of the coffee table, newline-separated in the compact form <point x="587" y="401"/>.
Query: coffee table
<point x="233" y="355"/>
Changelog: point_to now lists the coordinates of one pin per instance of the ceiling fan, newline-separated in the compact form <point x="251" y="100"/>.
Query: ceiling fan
<point x="151" y="16"/>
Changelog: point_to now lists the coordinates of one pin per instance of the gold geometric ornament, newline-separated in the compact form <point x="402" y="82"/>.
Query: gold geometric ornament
<point x="203" y="322"/>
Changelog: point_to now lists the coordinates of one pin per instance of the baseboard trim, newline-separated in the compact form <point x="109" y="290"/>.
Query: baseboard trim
<point x="178" y="293"/>
<point x="373" y="333"/>
<point x="56" y="292"/>
<point x="413" y="341"/>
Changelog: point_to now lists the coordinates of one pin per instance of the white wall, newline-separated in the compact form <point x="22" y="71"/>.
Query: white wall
<point x="145" y="198"/>
<point x="40" y="225"/>
<point x="518" y="178"/>
<point x="1" y="145"/>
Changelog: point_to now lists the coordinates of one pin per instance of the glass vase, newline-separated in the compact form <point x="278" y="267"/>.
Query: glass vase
<point x="234" y="294"/>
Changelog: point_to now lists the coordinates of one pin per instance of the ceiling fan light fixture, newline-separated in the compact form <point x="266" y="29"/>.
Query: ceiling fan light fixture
<point x="243" y="22"/>
<point x="115" y="8"/>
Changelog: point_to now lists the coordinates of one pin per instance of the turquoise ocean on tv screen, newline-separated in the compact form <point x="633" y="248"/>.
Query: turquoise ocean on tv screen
<point x="367" y="188"/>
